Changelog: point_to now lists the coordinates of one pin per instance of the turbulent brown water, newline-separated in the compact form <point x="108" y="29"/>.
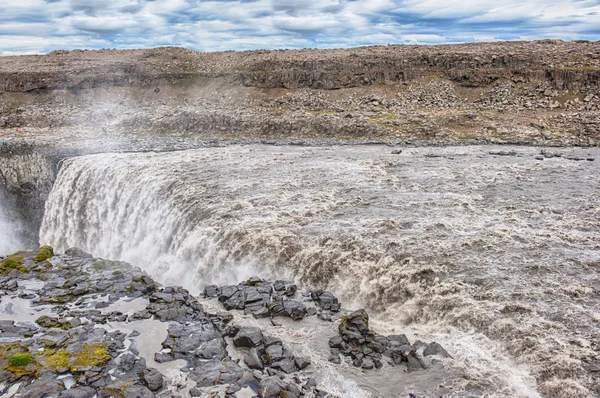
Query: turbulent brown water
<point x="496" y="257"/>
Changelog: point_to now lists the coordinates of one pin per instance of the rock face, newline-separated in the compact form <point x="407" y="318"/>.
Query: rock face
<point x="367" y="349"/>
<point x="25" y="183"/>
<point x="446" y="94"/>
<point x="260" y="298"/>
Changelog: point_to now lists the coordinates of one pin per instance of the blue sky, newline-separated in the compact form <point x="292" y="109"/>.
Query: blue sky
<point x="40" y="26"/>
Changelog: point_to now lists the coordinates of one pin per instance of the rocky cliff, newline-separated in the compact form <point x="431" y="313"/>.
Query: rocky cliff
<point x="543" y="92"/>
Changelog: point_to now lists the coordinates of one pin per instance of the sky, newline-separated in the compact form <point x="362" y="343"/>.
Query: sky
<point x="41" y="26"/>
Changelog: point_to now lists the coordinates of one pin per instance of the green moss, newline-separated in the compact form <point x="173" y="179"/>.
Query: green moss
<point x="93" y="354"/>
<point x="18" y="361"/>
<point x="55" y="360"/>
<point x="12" y="262"/>
<point x="44" y="253"/>
<point x="21" y="359"/>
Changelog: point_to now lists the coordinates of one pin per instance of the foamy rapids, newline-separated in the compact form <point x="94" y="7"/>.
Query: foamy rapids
<point x="496" y="257"/>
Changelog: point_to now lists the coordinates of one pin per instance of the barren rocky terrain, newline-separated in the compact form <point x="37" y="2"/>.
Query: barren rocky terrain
<point x="542" y="92"/>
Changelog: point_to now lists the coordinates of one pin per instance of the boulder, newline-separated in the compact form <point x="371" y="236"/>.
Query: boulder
<point x="253" y="360"/>
<point x="153" y="379"/>
<point x="435" y="349"/>
<point x="271" y="387"/>
<point x="248" y="336"/>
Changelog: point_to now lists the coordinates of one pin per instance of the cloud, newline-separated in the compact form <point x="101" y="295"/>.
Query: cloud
<point x="37" y="26"/>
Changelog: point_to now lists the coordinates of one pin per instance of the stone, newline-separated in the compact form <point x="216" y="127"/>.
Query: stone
<point x="136" y="392"/>
<point x="211" y="291"/>
<point x="294" y="309"/>
<point x="413" y="364"/>
<point x="310" y="383"/>
<point x="253" y="281"/>
<point x="368" y="364"/>
<point x="279" y="286"/>
<point x="286" y="365"/>
<point x="226" y="292"/>
<point x="235" y="302"/>
<point x="78" y="392"/>
<point x="291" y="290"/>
<point x="435" y="349"/>
<point x="335" y="359"/>
<point x="253" y="360"/>
<point x="274" y="353"/>
<point x="248" y="336"/>
<point x="262" y="312"/>
<point x="398" y="340"/>
<point x="153" y="379"/>
<point x="271" y="387"/>
<point x="216" y="372"/>
<point x="269" y="340"/>
<point x="253" y="296"/>
<point x="215" y="348"/>
<point x="302" y="362"/>
<point x="76" y="252"/>
<point x="162" y="357"/>
<point x="41" y="388"/>
<point x="325" y="317"/>
<point x="336" y="342"/>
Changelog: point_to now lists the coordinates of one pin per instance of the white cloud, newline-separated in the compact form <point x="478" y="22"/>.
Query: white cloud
<point x="38" y="26"/>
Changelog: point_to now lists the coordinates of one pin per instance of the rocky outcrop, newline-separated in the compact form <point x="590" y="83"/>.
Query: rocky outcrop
<point x="95" y="327"/>
<point x="26" y="179"/>
<point x="367" y="349"/>
<point x="84" y="302"/>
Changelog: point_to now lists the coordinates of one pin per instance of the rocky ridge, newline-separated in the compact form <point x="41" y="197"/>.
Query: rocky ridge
<point x="542" y="93"/>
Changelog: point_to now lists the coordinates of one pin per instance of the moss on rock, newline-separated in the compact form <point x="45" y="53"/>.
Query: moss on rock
<point x="12" y="262"/>
<point x="93" y="354"/>
<point x="44" y="253"/>
<point x="21" y="359"/>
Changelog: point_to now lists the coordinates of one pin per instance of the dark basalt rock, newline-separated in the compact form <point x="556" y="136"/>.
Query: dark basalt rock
<point x="78" y="392"/>
<point x="366" y="348"/>
<point x="211" y="291"/>
<point x="302" y="362"/>
<point x="253" y="360"/>
<point x="216" y="372"/>
<point x="273" y="386"/>
<point x="195" y="342"/>
<point x="175" y="304"/>
<point x="248" y="336"/>
<point x="42" y="387"/>
<point x="325" y="300"/>
<point x="435" y="349"/>
<point x="260" y="298"/>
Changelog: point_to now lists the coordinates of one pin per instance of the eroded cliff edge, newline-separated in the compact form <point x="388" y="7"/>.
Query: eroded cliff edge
<point x="543" y="92"/>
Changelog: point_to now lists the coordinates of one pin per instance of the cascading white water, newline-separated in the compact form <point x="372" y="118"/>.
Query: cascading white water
<point x="475" y="247"/>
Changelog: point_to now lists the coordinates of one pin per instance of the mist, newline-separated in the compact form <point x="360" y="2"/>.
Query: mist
<point x="11" y="229"/>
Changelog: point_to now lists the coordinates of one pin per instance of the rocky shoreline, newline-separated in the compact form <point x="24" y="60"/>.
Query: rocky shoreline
<point x="76" y="326"/>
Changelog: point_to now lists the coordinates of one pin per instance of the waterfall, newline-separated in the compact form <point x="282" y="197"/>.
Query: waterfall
<point x="458" y="241"/>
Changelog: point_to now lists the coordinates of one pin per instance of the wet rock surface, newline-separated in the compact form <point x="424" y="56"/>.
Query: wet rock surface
<point x="73" y="338"/>
<point x="260" y="298"/>
<point x="367" y="349"/>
